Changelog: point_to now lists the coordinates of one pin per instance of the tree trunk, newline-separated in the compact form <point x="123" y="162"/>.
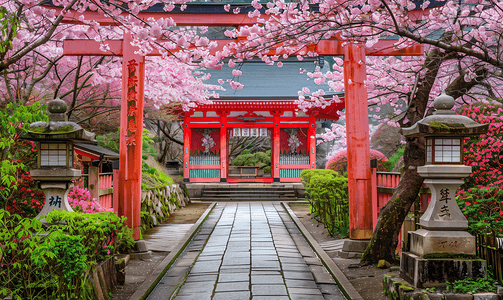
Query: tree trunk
<point x="385" y="238"/>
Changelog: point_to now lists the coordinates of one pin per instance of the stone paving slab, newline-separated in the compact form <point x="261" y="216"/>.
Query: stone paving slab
<point x="248" y="250"/>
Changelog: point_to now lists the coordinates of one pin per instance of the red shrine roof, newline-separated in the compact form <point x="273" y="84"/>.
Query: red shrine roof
<point x="255" y="104"/>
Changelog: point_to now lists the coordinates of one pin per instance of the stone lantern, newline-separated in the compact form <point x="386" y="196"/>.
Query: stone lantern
<point x="55" y="155"/>
<point x="442" y="234"/>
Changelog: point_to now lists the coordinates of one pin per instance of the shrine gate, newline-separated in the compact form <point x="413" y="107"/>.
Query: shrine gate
<point x="208" y="128"/>
<point x="359" y="177"/>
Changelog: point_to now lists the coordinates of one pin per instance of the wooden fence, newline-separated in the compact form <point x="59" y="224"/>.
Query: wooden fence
<point x="106" y="190"/>
<point x="383" y="187"/>
<point x="489" y="247"/>
<point x="101" y="186"/>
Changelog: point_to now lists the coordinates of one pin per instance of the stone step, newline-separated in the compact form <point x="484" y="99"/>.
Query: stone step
<point x="247" y="189"/>
<point x="205" y="194"/>
<point x="245" y="199"/>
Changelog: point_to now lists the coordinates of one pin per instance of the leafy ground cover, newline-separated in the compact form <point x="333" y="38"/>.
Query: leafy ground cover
<point x="53" y="261"/>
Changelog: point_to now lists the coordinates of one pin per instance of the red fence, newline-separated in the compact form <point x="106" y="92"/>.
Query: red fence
<point x="101" y="186"/>
<point x="106" y="190"/>
<point x="383" y="187"/>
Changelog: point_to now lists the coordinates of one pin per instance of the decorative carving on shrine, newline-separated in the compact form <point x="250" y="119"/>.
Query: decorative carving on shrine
<point x="293" y="141"/>
<point x="207" y="141"/>
<point x="250" y="117"/>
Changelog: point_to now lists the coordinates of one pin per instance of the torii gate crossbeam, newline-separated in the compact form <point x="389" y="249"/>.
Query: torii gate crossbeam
<point x="357" y="128"/>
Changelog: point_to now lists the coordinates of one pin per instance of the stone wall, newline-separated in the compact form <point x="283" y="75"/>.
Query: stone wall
<point x="161" y="201"/>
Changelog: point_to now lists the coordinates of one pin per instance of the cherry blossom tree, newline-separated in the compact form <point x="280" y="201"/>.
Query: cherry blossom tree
<point x="34" y="69"/>
<point x="462" y="56"/>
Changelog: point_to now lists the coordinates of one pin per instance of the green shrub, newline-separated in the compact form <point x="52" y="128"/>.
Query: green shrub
<point x="98" y="230"/>
<point x="51" y="262"/>
<point x="257" y="159"/>
<point x="18" y="156"/>
<point x="483" y="208"/>
<point x="327" y="193"/>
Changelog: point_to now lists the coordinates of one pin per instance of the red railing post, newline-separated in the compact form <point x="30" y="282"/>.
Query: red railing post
<point x="373" y="180"/>
<point x="115" y="195"/>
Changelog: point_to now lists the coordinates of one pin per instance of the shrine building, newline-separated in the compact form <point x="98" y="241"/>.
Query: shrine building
<point x="263" y="111"/>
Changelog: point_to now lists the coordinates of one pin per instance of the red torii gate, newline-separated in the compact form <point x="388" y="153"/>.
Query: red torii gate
<point x="359" y="173"/>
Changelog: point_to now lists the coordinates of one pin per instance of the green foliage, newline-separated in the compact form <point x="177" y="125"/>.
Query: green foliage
<point x="147" y="147"/>
<point x="327" y="193"/>
<point x="52" y="262"/>
<point x="99" y="230"/>
<point x="473" y="285"/>
<point x="152" y="178"/>
<point x="394" y="160"/>
<point x="483" y="208"/>
<point x="146" y="221"/>
<point x="16" y="155"/>
<point x="71" y="258"/>
<point x="110" y="141"/>
<point x="257" y="159"/>
<point x="9" y="25"/>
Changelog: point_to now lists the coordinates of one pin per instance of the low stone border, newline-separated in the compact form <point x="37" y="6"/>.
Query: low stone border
<point x="149" y="284"/>
<point x="104" y="278"/>
<point x="397" y="288"/>
<point x="344" y="284"/>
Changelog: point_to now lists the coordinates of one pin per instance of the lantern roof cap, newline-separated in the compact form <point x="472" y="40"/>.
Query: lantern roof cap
<point x="58" y="128"/>
<point x="445" y="122"/>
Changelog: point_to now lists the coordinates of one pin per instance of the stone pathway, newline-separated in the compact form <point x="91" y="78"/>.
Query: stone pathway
<point x="249" y="251"/>
<point x="165" y="237"/>
<point x="331" y="246"/>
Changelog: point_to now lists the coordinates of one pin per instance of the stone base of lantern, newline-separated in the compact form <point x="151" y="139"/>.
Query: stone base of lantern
<point x="423" y="273"/>
<point x="56" y="197"/>
<point x="437" y="256"/>
<point x="425" y="241"/>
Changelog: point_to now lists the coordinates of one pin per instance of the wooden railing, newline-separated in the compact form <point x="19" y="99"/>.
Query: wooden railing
<point x="101" y="186"/>
<point x="489" y="247"/>
<point x="383" y="187"/>
<point x="106" y="190"/>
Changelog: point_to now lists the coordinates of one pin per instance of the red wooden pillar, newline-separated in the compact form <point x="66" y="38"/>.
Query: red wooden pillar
<point x="133" y="74"/>
<point x="311" y="135"/>
<point x="275" y="148"/>
<point x="115" y="195"/>
<point x="223" y="148"/>
<point x="186" y="150"/>
<point x="357" y="128"/>
<point x="375" y="212"/>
